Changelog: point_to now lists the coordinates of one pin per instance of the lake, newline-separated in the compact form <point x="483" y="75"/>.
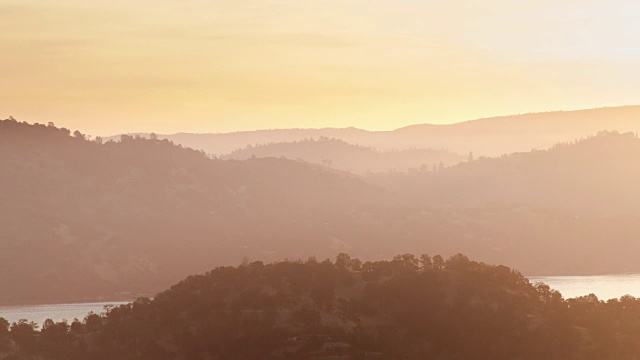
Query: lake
<point x="56" y="312"/>
<point x="604" y="286"/>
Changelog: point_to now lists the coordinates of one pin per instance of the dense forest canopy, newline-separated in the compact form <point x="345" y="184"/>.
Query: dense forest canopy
<point x="407" y="308"/>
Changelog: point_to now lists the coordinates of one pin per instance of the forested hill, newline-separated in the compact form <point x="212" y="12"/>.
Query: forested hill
<point x="338" y="154"/>
<point x="499" y="135"/>
<point x="407" y="308"/>
<point x="598" y="175"/>
<point x="81" y="219"/>
<point x="492" y="136"/>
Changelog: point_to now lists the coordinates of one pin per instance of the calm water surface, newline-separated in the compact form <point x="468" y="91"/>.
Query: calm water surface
<point x="605" y="287"/>
<point x="56" y="312"/>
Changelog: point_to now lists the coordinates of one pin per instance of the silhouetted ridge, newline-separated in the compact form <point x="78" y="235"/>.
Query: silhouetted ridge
<point x="113" y="219"/>
<point x="407" y="308"/>
<point x="489" y="137"/>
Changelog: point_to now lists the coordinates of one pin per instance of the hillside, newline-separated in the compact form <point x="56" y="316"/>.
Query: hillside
<point x="572" y="209"/>
<point x="357" y="159"/>
<point x="597" y="175"/>
<point x="521" y="133"/>
<point x="225" y="143"/>
<point x="80" y="219"/>
<point x="112" y="220"/>
<point x="408" y="308"/>
<point x="489" y="137"/>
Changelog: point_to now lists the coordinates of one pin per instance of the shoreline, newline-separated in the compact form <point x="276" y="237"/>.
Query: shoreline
<point x="132" y="297"/>
<point x="67" y="301"/>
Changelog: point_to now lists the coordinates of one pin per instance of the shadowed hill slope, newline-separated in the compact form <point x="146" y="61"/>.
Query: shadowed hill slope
<point x="81" y="219"/>
<point x="408" y="308"/>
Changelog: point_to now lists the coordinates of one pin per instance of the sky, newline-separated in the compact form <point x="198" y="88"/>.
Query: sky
<point x="107" y="67"/>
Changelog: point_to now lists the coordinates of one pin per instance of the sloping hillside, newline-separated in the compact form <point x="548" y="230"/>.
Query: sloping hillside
<point x="490" y="136"/>
<point x="597" y="175"/>
<point x="83" y="220"/>
<point x="516" y="133"/>
<point x="408" y="308"/>
<point x="79" y="218"/>
<point x="343" y="156"/>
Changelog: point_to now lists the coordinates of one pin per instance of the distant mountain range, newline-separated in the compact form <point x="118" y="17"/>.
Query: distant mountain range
<point x="490" y="136"/>
<point x="82" y="219"/>
<point x="596" y="175"/>
<point x="341" y="155"/>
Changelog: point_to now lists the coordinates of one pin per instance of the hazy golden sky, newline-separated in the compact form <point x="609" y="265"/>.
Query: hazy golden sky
<point x="115" y="66"/>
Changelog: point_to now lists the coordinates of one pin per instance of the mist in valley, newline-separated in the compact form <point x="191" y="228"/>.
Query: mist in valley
<point x="328" y="180"/>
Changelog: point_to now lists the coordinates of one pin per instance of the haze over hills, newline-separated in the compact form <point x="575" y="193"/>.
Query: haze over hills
<point x="490" y="136"/>
<point x="507" y="134"/>
<point x="137" y="215"/>
<point x="309" y="180"/>
<point x="598" y="175"/>
<point x="361" y="160"/>
<point x="576" y="204"/>
<point x="99" y="219"/>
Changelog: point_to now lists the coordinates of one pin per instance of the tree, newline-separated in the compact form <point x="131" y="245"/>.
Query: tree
<point x="54" y="331"/>
<point x="343" y="261"/>
<point x="93" y="322"/>
<point x="4" y="327"/>
<point x="47" y="324"/>
<point x="76" y="327"/>
<point x="78" y="135"/>
<point x="425" y="261"/>
<point x="458" y="262"/>
<point x="23" y="333"/>
<point x="4" y="334"/>
<point x="438" y="262"/>
<point x="356" y="265"/>
<point x="406" y="260"/>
